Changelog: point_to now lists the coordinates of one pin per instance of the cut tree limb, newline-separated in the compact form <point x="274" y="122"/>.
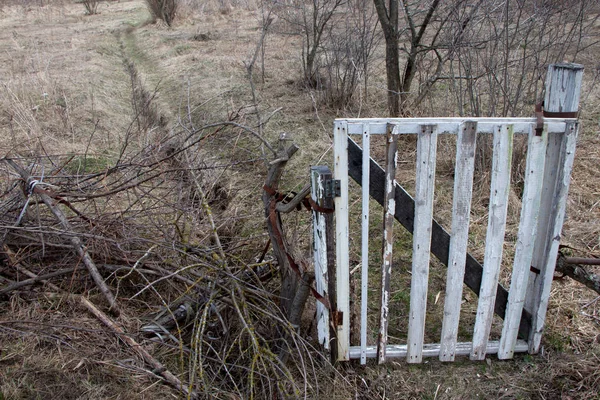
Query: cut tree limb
<point x="16" y="285"/>
<point x="73" y="239"/>
<point x="294" y="202"/>
<point x="158" y="368"/>
<point x="577" y="271"/>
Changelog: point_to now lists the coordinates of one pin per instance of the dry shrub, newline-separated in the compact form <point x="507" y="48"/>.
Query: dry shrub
<point x="190" y="8"/>
<point x="348" y="48"/>
<point x="145" y="216"/>
<point x="165" y="10"/>
<point x="91" y="6"/>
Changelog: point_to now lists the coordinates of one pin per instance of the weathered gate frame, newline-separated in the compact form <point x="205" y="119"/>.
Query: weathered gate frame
<point x="545" y="194"/>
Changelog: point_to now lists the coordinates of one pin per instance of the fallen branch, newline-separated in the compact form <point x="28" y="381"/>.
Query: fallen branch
<point x="158" y="368"/>
<point x="16" y="285"/>
<point x="574" y="269"/>
<point x="74" y="239"/>
<point x="12" y="286"/>
<point x="582" y="261"/>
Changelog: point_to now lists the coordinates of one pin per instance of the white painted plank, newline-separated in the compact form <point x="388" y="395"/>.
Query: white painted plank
<point x="433" y="349"/>
<point x="364" y="281"/>
<point x="553" y="150"/>
<point x="534" y="173"/>
<point x="379" y="126"/>
<point x="563" y="90"/>
<point x="389" y="203"/>
<point x="320" y="256"/>
<point x="498" y="206"/>
<point x="563" y="180"/>
<point x="424" y="191"/>
<point x="340" y="154"/>
<point x="563" y="87"/>
<point x="461" y="211"/>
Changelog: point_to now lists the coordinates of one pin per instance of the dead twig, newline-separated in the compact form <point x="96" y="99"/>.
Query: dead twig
<point x="158" y="368"/>
<point x="73" y="239"/>
<point x="16" y="285"/>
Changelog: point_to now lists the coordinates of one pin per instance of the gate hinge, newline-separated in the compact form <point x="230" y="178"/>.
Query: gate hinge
<point x="332" y="188"/>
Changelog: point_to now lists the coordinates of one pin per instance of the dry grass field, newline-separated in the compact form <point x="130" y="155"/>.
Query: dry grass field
<point x="112" y="103"/>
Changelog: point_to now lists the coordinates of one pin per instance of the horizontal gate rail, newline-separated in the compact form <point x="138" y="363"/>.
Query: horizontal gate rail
<point x="400" y="126"/>
<point x="433" y="349"/>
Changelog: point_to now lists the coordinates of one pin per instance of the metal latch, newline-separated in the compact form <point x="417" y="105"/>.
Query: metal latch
<point x="333" y="188"/>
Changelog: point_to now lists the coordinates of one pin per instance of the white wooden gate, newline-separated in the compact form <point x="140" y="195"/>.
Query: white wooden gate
<point x="550" y="155"/>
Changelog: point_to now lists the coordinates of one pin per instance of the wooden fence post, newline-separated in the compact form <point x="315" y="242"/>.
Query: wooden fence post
<point x="494" y="238"/>
<point x="364" y="273"/>
<point x="342" y="241"/>
<point x="530" y="208"/>
<point x="563" y="86"/>
<point x="322" y="234"/>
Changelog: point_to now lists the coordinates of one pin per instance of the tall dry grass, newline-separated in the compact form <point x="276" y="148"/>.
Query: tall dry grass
<point x="70" y="91"/>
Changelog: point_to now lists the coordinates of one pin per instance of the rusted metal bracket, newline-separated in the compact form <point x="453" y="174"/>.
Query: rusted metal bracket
<point x="540" y="114"/>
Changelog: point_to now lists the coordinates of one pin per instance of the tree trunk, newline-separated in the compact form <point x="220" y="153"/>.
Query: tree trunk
<point x="392" y="67"/>
<point x="389" y="26"/>
<point x="409" y="74"/>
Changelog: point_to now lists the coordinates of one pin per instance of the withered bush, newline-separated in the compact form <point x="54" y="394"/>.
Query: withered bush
<point x="165" y="10"/>
<point x="348" y="47"/>
<point x="91" y="6"/>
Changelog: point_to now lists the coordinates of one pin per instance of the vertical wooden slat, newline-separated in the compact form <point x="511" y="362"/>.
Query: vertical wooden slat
<point x="563" y="87"/>
<point x="319" y="174"/>
<point x="364" y="281"/>
<point x="543" y="281"/>
<point x="340" y="154"/>
<point x="424" y="191"/>
<point x="498" y="206"/>
<point x="534" y="172"/>
<point x="331" y="270"/>
<point x="461" y="210"/>
<point x="389" y="205"/>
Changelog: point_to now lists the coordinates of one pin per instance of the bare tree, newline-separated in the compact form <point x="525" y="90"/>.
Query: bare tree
<point x="398" y="87"/>
<point x="492" y="51"/>
<point x="499" y="70"/>
<point x="310" y="19"/>
<point x="348" y="47"/>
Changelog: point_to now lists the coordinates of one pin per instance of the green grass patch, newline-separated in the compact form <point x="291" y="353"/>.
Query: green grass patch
<point x="86" y="164"/>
